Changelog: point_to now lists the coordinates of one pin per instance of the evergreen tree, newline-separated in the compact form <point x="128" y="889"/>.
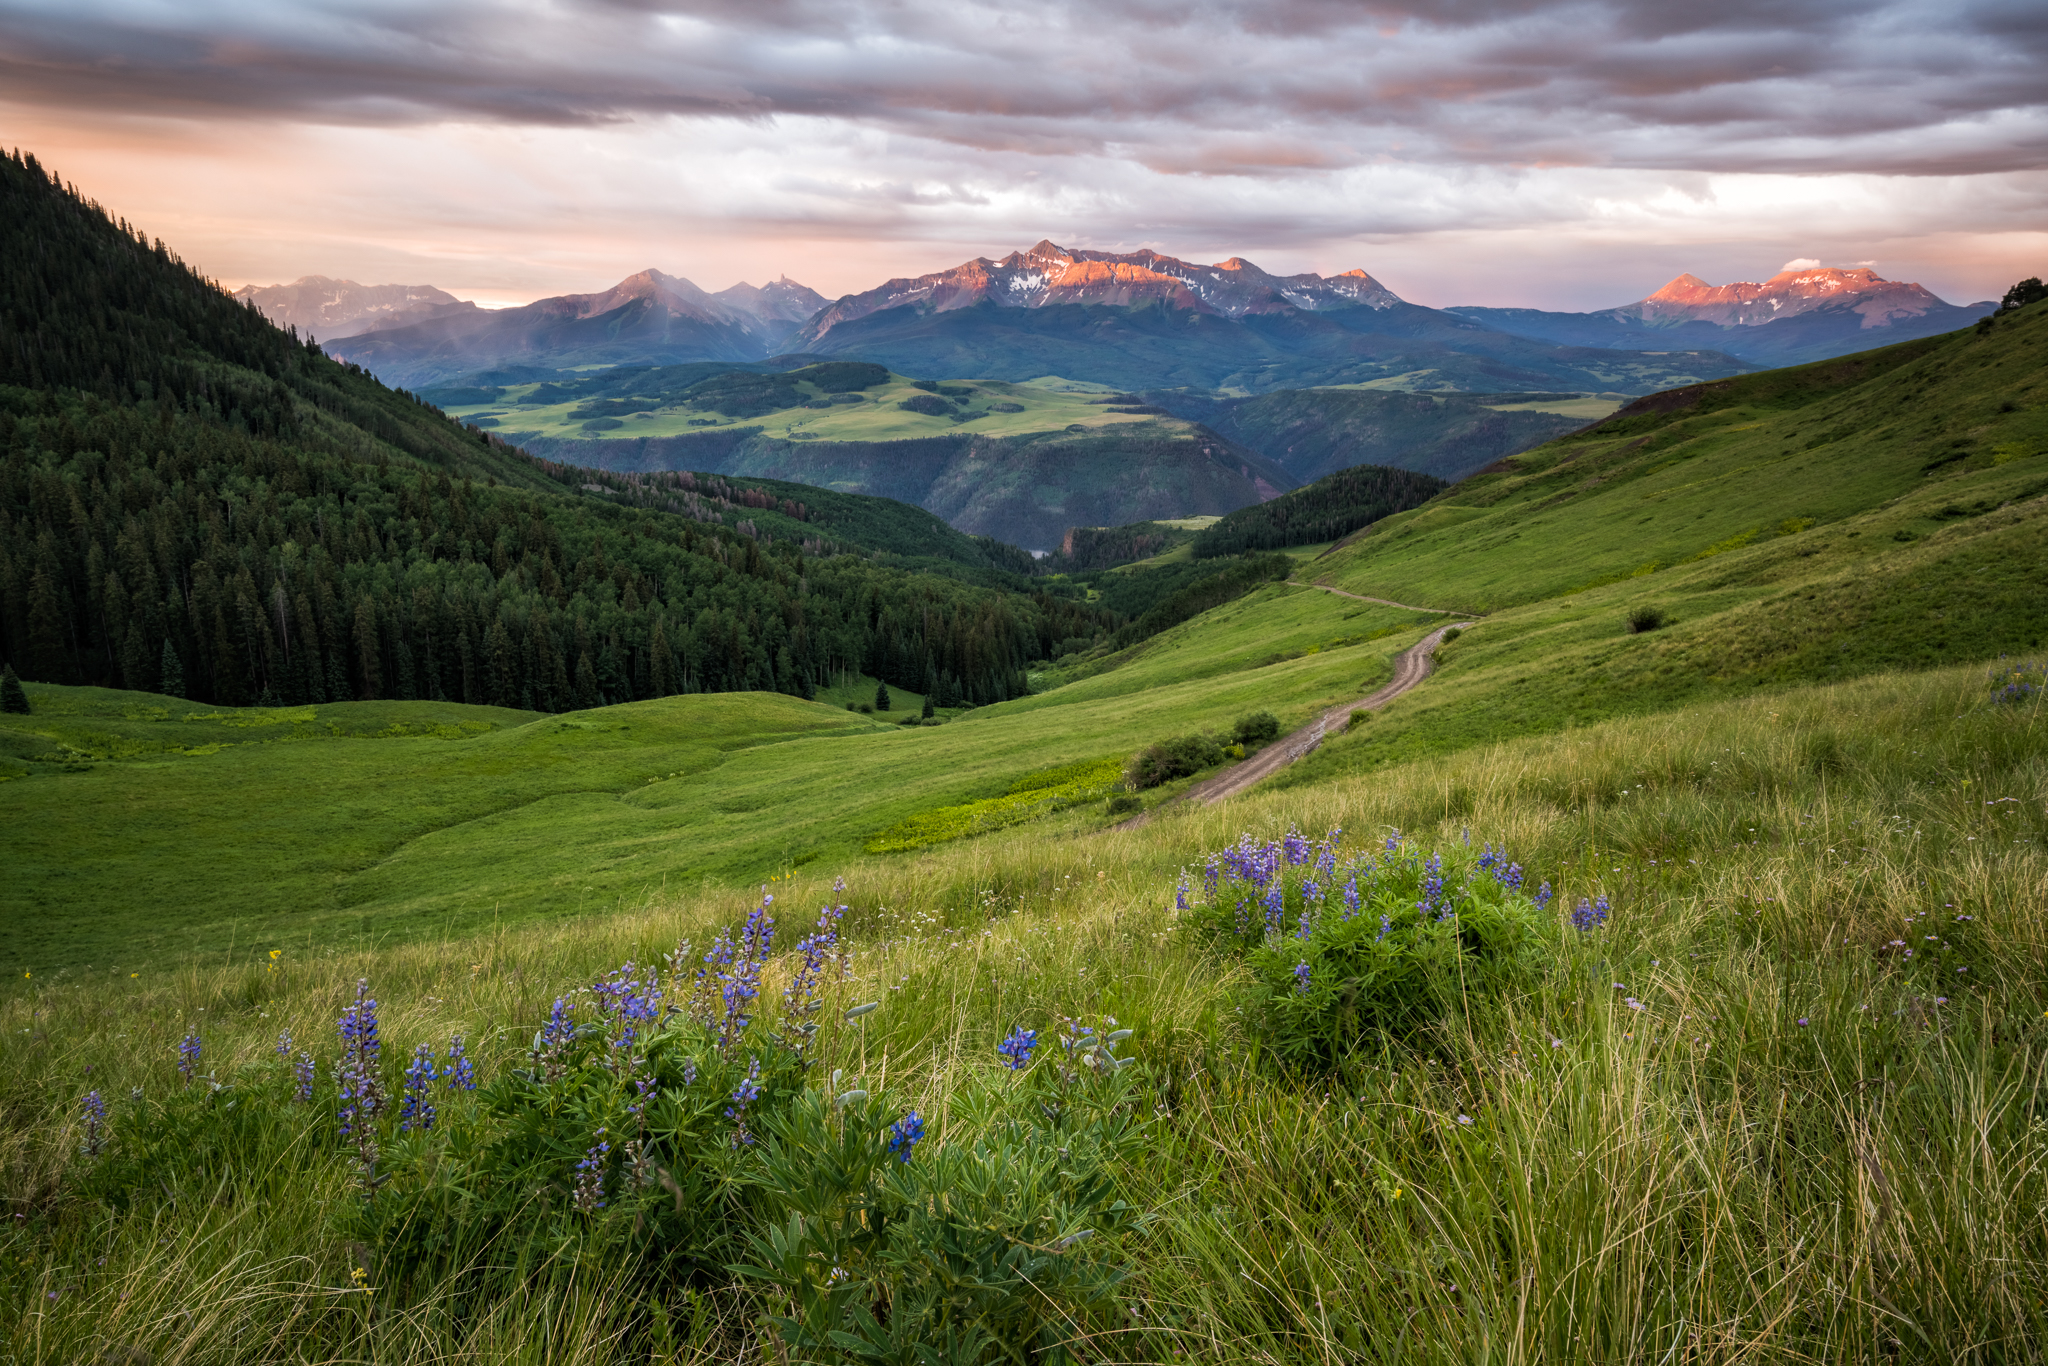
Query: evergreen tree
<point x="12" y="698"/>
<point x="927" y="706"/>
<point x="881" y="697"/>
<point x="173" y="671"/>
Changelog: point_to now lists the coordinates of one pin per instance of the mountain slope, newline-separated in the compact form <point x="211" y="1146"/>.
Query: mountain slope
<point x="1794" y="317"/>
<point x="1154" y="346"/>
<point x="1311" y="433"/>
<point x="193" y="501"/>
<point x="318" y="306"/>
<point x="648" y="319"/>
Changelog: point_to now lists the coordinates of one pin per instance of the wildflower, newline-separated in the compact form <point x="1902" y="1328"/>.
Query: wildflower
<point x="1351" y="897"/>
<point x="1802" y="1021"/>
<point x="1464" y="1119"/>
<point x="1017" y="1046"/>
<point x="302" y="1079"/>
<point x="1273" y="906"/>
<point x="816" y="949"/>
<point x="458" y="1071"/>
<point x="188" y="1057"/>
<point x="589" y="1195"/>
<point x="743" y="1095"/>
<point x="1295" y="847"/>
<point x="1509" y="877"/>
<point x="362" y="1091"/>
<point x="1301" y="975"/>
<point x="95" y="1111"/>
<point x="1433" y="900"/>
<point x="1588" y="915"/>
<point x="284" y="1044"/>
<point x="554" y="1038"/>
<point x="1543" y="897"/>
<point x="1180" y="892"/>
<point x="1394" y="839"/>
<point x="1386" y="928"/>
<point x="417" y="1109"/>
<point x="904" y="1135"/>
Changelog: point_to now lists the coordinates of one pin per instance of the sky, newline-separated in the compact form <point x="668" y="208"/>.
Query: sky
<point x="1524" y="153"/>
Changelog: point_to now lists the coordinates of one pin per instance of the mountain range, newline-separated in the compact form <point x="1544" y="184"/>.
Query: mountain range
<point x="1137" y="320"/>
<point x="1806" y="314"/>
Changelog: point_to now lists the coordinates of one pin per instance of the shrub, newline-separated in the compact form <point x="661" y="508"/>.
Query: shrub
<point x="1643" y="619"/>
<point x="1453" y="634"/>
<point x="1124" y="803"/>
<point x="1175" y="758"/>
<point x="1343" y="946"/>
<point x="1256" y="729"/>
<point x="1360" y="714"/>
<point x="931" y="405"/>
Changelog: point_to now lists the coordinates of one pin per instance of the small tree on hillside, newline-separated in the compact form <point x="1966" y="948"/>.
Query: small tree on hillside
<point x="927" y="706"/>
<point x="173" y="670"/>
<point x="12" y="698"/>
<point x="881" y="697"/>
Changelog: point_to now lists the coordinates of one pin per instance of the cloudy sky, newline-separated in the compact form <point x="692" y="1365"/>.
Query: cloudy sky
<point x="1548" y="153"/>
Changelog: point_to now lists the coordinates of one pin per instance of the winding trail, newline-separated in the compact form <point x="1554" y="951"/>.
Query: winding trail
<point x="1411" y="666"/>
<point x="1389" y="602"/>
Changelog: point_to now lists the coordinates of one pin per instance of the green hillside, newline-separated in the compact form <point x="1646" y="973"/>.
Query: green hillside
<point x="1661" y="979"/>
<point x="193" y="501"/>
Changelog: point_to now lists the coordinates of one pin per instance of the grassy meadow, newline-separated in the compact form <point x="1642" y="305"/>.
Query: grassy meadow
<point x="1738" y="1122"/>
<point x="1747" y="728"/>
<point x="876" y="416"/>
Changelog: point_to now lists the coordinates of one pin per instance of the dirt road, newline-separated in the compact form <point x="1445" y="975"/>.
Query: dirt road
<point x="1411" y="666"/>
<point x="1388" y="602"/>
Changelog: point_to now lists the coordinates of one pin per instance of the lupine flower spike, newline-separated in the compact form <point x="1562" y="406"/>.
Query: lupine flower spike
<point x="904" y="1135"/>
<point x="417" y="1109"/>
<point x="1016" y="1048"/>
<point x="458" y="1070"/>
<point x="95" y="1112"/>
<point x="362" y="1090"/>
<point x="188" y="1057"/>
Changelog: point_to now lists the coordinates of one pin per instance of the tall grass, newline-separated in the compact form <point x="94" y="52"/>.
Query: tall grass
<point x="1804" y="1144"/>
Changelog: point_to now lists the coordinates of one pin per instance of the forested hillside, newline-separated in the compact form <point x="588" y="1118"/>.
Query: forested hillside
<point x="195" y="502"/>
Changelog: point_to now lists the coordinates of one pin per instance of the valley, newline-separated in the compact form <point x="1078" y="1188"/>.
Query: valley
<point x="667" y="876"/>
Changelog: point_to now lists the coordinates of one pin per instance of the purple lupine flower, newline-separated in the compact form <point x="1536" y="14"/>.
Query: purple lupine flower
<point x="417" y="1110"/>
<point x="1351" y="896"/>
<point x="689" y="1071"/>
<point x="1488" y="857"/>
<point x="284" y="1043"/>
<point x="589" y="1195"/>
<point x="1543" y="897"/>
<point x="1386" y="928"/>
<point x="1433" y="899"/>
<point x="1509" y="877"/>
<point x="1016" y="1048"/>
<point x="1587" y="915"/>
<point x="743" y="1095"/>
<point x="817" y="949"/>
<point x="1210" y="872"/>
<point x="302" y="1079"/>
<point x="1295" y="848"/>
<point x="904" y="1135"/>
<point x="1394" y="839"/>
<point x="361" y="1089"/>
<point x="1180" y="892"/>
<point x="1273" y="904"/>
<point x="1311" y="890"/>
<point x="94" y="1110"/>
<point x="458" y="1070"/>
<point x="188" y="1057"/>
<point x="1307" y="923"/>
<point x="1301" y="975"/>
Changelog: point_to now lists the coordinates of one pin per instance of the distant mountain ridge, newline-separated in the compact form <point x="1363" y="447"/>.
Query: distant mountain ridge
<point x="320" y="307"/>
<point x="649" y="317"/>
<point x="1807" y="314"/>
<point x="1049" y="274"/>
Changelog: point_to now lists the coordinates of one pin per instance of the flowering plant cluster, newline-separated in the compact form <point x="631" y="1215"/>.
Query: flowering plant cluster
<point x="2020" y="681"/>
<point x="1345" y="943"/>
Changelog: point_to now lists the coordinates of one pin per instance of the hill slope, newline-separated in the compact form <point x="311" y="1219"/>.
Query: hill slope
<point x="195" y="502"/>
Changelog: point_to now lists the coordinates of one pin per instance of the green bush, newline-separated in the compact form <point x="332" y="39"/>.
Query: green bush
<point x="1175" y="758"/>
<point x="1124" y="803"/>
<point x="1344" y="947"/>
<point x="1643" y="619"/>
<point x="1256" y="729"/>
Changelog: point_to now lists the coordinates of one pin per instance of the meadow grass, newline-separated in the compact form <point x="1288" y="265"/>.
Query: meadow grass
<point x="201" y="828"/>
<point x="1805" y="1145"/>
<point x="875" y="418"/>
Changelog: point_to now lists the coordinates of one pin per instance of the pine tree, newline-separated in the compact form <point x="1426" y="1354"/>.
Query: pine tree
<point x="927" y="706"/>
<point x="173" y="671"/>
<point x="12" y="698"/>
<point x="881" y="697"/>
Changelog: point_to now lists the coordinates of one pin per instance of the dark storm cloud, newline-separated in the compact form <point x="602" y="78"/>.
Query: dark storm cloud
<point x="1200" y="89"/>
